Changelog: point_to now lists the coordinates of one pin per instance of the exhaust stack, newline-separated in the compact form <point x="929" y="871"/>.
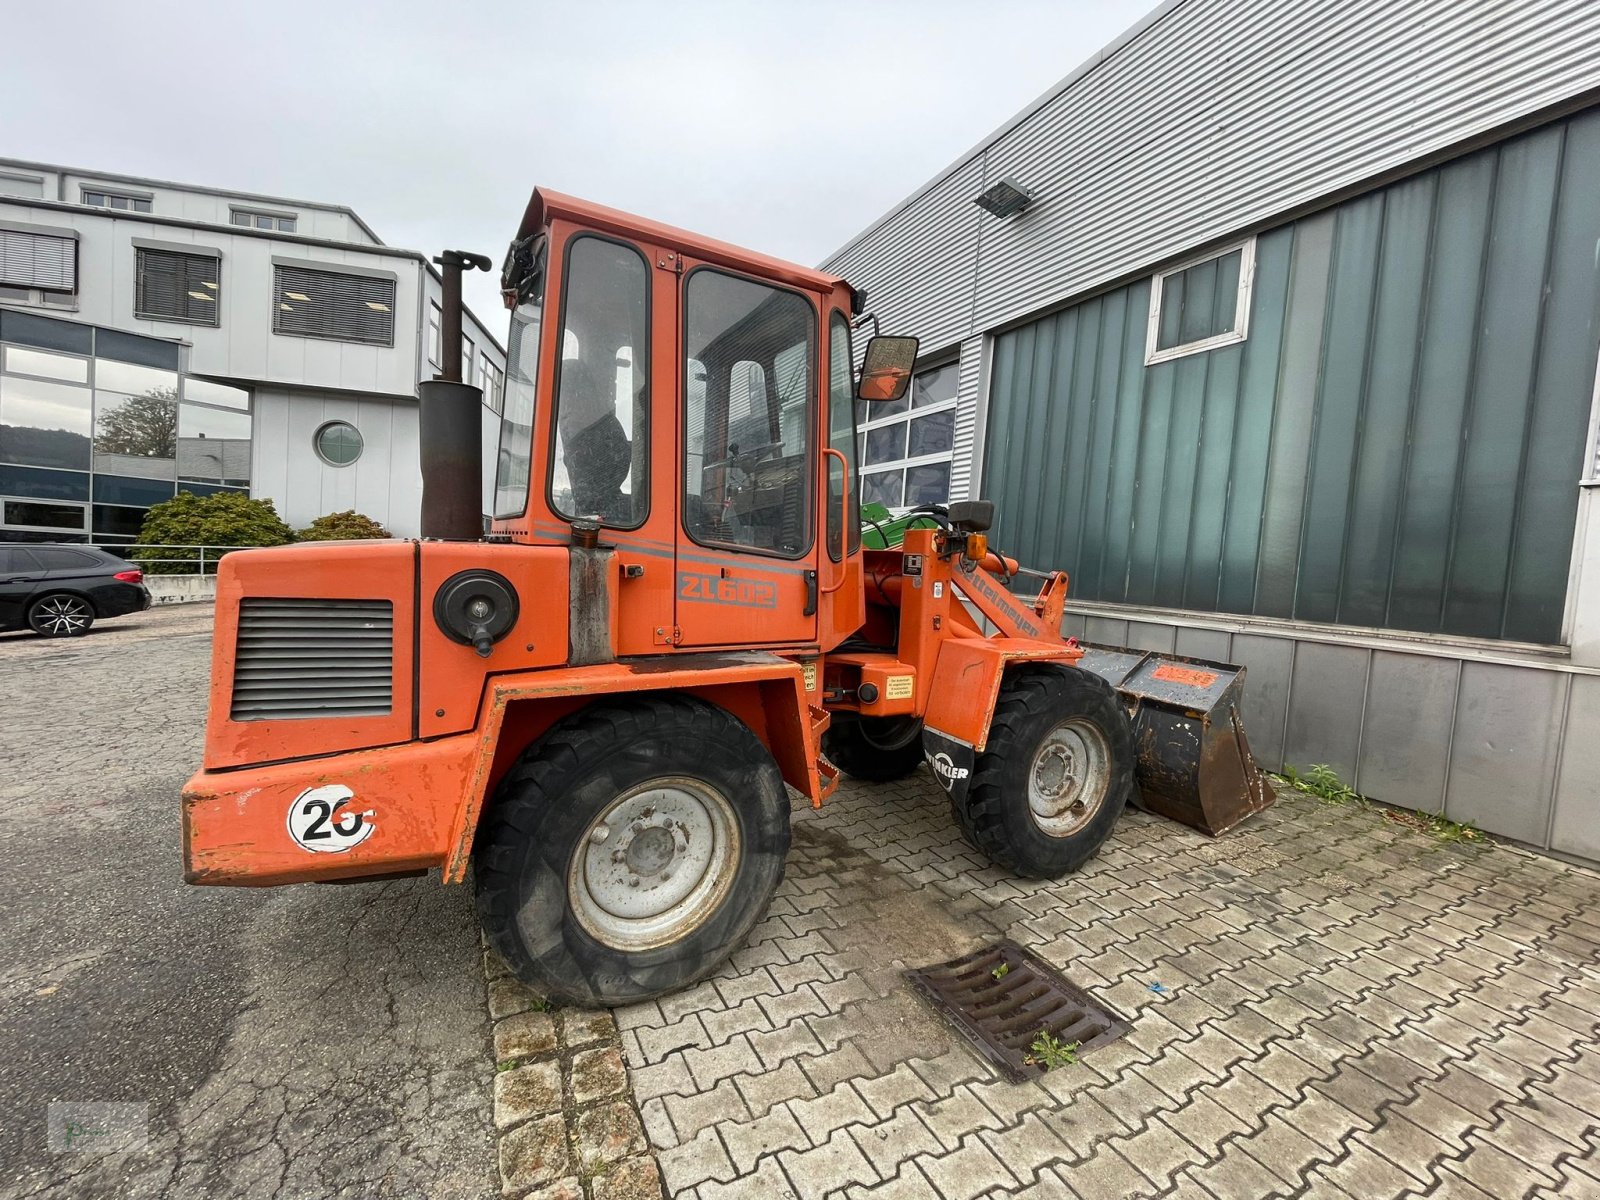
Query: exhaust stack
<point x="451" y="431"/>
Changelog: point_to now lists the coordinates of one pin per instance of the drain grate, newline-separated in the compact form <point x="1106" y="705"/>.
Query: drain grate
<point x="1003" y="1016"/>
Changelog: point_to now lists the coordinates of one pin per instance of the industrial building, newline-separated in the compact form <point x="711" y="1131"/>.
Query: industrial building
<point x="159" y="337"/>
<point x="1275" y="324"/>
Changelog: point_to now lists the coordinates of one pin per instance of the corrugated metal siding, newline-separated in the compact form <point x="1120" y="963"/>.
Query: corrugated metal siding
<point x="904" y="282"/>
<point x="966" y="419"/>
<point x="1217" y="115"/>
<point x="1212" y="117"/>
<point x="1508" y="745"/>
<point x="1395" y="445"/>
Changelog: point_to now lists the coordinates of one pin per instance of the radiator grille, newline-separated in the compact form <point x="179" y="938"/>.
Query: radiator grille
<point x="298" y="659"/>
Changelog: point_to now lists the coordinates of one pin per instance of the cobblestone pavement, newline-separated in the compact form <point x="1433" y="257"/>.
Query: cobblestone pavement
<point x="290" y="1042"/>
<point x="1346" y="1008"/>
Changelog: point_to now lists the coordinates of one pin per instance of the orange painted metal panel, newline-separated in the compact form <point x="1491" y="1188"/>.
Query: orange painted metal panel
<point x="375" y="570"/>
<point x="453" y="677"/>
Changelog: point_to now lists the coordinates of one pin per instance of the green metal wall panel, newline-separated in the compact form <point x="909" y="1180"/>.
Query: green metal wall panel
<point x="1397" y="443"/>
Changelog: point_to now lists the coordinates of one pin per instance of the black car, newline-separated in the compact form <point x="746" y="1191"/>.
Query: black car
<point x="59" y="591"/>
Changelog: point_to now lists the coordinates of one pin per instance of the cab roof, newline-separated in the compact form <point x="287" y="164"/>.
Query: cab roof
<point x="546" y="206"/>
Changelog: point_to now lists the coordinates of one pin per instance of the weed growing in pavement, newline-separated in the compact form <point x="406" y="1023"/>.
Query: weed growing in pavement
<point x="1323" y="782"/>
<point x="1001" y="971"/>
<point x="1050" y="1052"/>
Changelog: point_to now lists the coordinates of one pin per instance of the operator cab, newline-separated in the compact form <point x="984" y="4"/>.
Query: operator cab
<point x="683" y="394"/>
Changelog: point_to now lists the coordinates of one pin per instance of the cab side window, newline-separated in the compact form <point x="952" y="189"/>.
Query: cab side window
<point x="842" y="437"/>
<point x="748" y="414"/>
<point x="601" y="458"/>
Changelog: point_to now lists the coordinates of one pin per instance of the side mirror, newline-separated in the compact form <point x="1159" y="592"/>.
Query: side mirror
<point x="886" y="370"/>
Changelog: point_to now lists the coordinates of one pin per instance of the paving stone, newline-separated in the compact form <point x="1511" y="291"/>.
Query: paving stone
<point x="766" y="1088"/>
<point x="585" y="1026"/>
<point x="657" y="1124"/>
<point x="838" y="1108"/>
<point x="910" y="1184"/>
<point x="668" y="1077"/>
<point x="888" y="1092"/>
<point x="967" y="1172"/>
<point x="767" y="1182"/>
<point x="525" y="1092"/>
<point x="508" y="996"/>
<point x="827" y="1070"/>
<point x="534" y="1154"/>
<point x="570" y="1188"/>
<point x="890" y="1143"/>
<point x="746" y="1142"/>
<point x="827" y="1167"/>
<point x="608" y="1133"/>
<point x="693" y="1162"/>
<point x="524" y="1035"/>
<point x="636" y="1178"/>
<point x="791" y="1041"/>
<point x="595" y="1074"/>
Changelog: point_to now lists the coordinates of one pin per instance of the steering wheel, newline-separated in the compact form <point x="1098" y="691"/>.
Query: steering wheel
<point x="746" y="460"/>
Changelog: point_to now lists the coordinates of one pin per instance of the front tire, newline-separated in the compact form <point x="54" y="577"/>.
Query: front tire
<point x="1054" y="776"/>
<point x="875" y="749"/>
<point x="60" y="615"/>
<point x="631" y="849"/>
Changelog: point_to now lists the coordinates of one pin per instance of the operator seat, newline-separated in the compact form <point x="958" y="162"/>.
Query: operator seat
<point x="594" y="446"/>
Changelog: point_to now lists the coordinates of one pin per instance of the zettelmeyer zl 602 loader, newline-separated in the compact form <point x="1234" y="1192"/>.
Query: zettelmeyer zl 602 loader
<point x="599" y="702"/>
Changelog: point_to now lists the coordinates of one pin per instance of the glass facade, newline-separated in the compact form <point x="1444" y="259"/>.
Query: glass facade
<point x="96" y="425"/>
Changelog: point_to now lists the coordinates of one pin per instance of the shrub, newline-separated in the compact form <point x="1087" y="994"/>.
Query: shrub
<point x="342" y="526"/>
<point x="220" y="519"/>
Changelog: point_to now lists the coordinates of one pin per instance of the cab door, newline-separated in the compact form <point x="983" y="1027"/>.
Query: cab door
<point x="747" y="554"/>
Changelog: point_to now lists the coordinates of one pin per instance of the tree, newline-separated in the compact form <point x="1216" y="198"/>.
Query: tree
<point x="145" y="426"/>
<point x="342" y="526"/>
<point x="220" y="519"/>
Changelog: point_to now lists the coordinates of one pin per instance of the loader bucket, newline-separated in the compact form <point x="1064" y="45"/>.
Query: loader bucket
<point x="1194" y="764"/>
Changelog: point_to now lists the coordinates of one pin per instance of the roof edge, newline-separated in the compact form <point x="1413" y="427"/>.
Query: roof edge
<point x="1059" y="88"/>
<point x="203" y="189"/>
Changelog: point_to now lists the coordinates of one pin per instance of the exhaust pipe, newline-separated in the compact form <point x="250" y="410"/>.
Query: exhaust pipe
<point x="449" y="425"/>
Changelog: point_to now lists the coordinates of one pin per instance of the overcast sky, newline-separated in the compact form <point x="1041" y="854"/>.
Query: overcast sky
<point x="785" y="127"/>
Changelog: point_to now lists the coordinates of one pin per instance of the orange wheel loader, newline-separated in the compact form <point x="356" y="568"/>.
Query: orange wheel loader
<point x="600" y="703"/>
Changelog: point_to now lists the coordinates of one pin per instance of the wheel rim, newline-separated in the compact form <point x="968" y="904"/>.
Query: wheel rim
<point x="655" y="864"/>
<point x="61" y="615"/>
<point x="1069" y="777"/>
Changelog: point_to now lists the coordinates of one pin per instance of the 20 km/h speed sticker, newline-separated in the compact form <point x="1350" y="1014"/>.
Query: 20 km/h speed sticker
<point x="320" y="820"/>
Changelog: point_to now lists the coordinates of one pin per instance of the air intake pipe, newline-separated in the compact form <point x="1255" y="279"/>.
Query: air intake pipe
<point x="450" y="428"/>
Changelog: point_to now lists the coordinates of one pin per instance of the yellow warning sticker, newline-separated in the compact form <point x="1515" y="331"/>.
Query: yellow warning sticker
<point x="899" y="687"/>
<point x="808" y="672"/>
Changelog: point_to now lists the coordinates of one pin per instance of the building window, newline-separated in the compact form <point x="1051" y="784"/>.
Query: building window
<point x="467" y="349"/>
<point x="101" y="422"/>
<point x="492" y="381"/>
<point x="178" y="287"/>
<point x="1201" y="304"/>
<point x="333" y="304"/>
<point x="38" y="260"/>
<point x="338" y="443"/>
<point x="121" y="201"/>
<point x="31" y="186"/>
<point x="907" y="445"/>
<point x="249" y="218"/>
<point x="39" y="514"/>
<point x="435" y="338"/>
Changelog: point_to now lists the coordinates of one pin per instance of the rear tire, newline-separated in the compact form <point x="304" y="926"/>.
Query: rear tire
<point x="1054" y="776"/>
<point x="695" y="823"/>
<point x="875" y="749"/>
<point x="60" y="614"/>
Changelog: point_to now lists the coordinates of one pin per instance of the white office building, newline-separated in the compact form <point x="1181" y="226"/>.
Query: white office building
<point x="159" y="337"/>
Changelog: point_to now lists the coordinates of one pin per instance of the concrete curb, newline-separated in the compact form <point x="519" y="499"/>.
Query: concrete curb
<point x="565" y="1116"/>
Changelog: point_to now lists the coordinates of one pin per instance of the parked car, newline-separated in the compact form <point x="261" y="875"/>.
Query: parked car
<point x="59" y="591"/>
